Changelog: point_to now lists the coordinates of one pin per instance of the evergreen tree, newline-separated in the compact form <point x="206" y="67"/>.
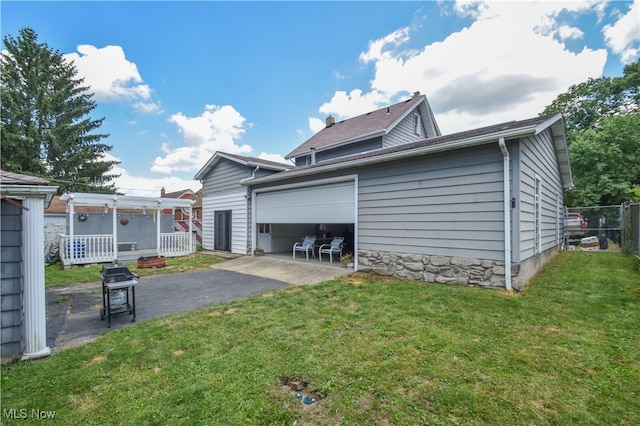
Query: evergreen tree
<point x="45" y="127"/>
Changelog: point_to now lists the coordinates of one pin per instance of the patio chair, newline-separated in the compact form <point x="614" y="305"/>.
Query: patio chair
<point x="307" y="245"/>
<point x="334" y="248"/>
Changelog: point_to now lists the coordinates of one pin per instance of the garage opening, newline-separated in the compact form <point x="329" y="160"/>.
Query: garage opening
<point x="285" y="215"/>
<point x="282" y="236"/>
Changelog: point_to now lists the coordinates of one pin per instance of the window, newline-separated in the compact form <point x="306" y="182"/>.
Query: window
<point x="416" y="124"/>
<point x="538" y="214"/>
<point x="264" y="228"/>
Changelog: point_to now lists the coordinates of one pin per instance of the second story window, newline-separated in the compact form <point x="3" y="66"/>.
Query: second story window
<point x="416" y="124"/>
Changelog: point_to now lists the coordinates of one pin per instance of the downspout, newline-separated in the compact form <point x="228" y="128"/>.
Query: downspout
<point x="253" y="210"/>
<point x="253" y="175"/>
<point x="507" y="215"/>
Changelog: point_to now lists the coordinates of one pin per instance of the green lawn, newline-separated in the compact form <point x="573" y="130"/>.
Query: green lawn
<point x="57" y="276"/>
<point x="380" y="351"/>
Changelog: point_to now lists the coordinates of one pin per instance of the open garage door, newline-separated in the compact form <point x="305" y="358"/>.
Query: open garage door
<point x="323" y="203"/>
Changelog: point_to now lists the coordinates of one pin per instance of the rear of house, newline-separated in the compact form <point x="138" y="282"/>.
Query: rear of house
<point x="435" y="209"/>
<point x="482" y="207"/>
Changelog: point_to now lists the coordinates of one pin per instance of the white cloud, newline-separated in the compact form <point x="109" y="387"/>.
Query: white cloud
<point x="623" y="37"/>
<point x="273" y="157"/>
<point x="110" y="75"/>
<point x="130" y="184"/>
<point x="315" y="124"/>
<point x="216" y="129"/>
<point x="508" y="64"/>
<point x="350" y="104"/>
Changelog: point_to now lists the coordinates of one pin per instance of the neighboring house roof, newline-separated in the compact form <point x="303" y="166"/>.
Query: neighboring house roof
<point x="480" y="136"/>
<point x="365" y="126"/>
<point x="184" y="193"/>
<point x="240" y="159"/>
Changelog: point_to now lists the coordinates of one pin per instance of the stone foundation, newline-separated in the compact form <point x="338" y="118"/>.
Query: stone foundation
<point x="438" y="269"/>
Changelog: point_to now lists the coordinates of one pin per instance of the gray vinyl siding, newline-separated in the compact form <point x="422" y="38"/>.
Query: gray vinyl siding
<point x="225" y="176"/>
<point x="537" y="157"/>
<point x="341" y="151"/>
<point x="11" y="280"/>
<point x="446" y="204"/>
<point x="403" y="133"/>
<point x="222" y="190"/>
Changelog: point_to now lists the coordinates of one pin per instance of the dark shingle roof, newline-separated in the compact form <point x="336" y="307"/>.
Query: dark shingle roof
<point x="10" y="178"/>
<point x="369" y="124"/>
<point x="466" y="138"/>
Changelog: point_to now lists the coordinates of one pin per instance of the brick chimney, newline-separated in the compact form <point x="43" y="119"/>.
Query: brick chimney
<point x="163" y="192"/>
<point x="330" y="121"/>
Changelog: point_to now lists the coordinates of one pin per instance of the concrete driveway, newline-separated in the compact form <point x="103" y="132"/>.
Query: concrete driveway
<point x="281" y="267"/>
<point x="73" y="313"/>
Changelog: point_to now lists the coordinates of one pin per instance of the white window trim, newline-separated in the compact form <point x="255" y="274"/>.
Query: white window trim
<point x="537" y="202"/>
<point x="416" y="124"/>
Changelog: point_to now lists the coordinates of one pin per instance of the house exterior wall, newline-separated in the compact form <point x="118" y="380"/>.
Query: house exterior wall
<point x="536" y="159"/>
<point x="447" y="204"/>
<point x="353" y="148"/>
<point x="11" y="281"/>
<point x="404" y="132"/>
<point x="237" y="203"/>
<point x="222" y="190"/>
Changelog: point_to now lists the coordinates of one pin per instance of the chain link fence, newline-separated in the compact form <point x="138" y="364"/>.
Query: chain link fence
<point x="620" y="224"/>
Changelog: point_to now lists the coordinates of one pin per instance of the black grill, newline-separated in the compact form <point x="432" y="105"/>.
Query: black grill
<point x="116" y="273"/>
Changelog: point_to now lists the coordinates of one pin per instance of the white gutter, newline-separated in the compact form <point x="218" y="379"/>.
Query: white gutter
<point x="374" y="159"/>
<point x="507" y="215"/>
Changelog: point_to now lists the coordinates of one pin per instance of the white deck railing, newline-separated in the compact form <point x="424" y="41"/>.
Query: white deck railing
<point x="175" y="244"/>
<point x="99" y="248"/>
<point x="86" y="249"/>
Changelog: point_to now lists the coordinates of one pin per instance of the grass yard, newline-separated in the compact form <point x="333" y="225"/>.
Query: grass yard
<point x="378" y="351"/>
<point x="57" y="276"/>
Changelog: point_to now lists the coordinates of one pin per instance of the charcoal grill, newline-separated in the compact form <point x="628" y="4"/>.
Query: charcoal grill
<point x="117" y="282"/>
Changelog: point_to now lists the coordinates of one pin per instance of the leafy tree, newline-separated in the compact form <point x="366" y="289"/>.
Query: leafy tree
<point x="586" y="103"/>
<point x="606" y="162"/>
<point x="45" y="127"/>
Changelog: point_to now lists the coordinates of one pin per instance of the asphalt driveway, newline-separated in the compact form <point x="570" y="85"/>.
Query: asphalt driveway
<point x="73" y="313"/>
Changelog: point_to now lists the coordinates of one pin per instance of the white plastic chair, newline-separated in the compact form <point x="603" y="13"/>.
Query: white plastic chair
<point x="306" y="246"/>
<point x="334" y="248"/>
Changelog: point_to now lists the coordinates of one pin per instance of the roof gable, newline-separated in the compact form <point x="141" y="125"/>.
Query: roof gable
<point x="240" y="159"/>
<point x="365" y="126"/>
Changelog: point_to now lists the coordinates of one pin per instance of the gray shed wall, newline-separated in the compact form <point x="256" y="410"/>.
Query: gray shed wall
<point x="11" y="281"/>
<point x="447" y="204"/>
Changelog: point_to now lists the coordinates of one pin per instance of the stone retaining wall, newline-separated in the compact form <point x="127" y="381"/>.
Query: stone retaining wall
<point x="437" y="269"/>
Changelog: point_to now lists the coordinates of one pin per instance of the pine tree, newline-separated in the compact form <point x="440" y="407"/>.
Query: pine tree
<point x="45" y="128"/>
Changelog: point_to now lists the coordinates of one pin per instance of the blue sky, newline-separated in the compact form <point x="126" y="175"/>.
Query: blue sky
<point x="178" y="81"/>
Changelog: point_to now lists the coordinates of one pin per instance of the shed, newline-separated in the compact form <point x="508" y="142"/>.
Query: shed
<point x="23" y="317"/>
